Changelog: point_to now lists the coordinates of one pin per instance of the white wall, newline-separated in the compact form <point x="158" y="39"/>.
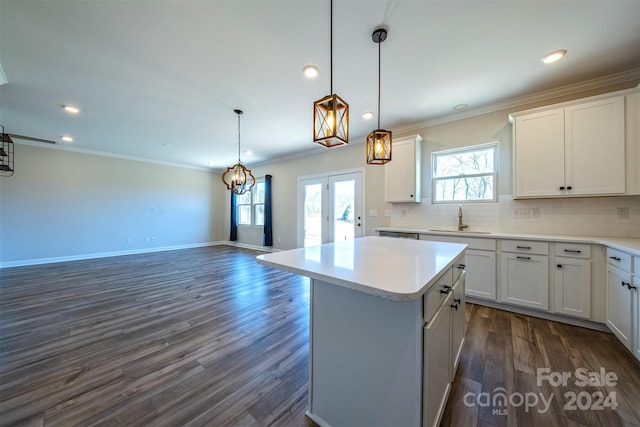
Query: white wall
<point x="65" y="205"/>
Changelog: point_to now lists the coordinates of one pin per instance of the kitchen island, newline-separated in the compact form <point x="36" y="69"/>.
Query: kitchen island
<point x="386" y="328"/>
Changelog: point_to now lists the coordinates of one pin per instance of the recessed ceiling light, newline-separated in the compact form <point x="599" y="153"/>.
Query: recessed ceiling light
<point x="71" y="109"/>
<point x="210" y="163"/>
<point x="310" y="71"/>
<point x="554" y="56"/>
<point x="66" y="138"/>
<point x="166" y="145"/>
<point x="368" y="115"/>
<point x="248" y="152"/>
<point x="460" y="107"/>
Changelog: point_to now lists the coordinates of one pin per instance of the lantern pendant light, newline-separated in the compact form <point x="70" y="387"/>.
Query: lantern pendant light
<point x="331" y="113"/>
<point x="238" y="178"/>
<point x="379" y="140"/>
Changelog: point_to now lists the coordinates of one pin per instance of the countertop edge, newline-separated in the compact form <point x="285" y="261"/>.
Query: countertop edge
<point x="611" y="242"/>
<point x="393" y="296"/>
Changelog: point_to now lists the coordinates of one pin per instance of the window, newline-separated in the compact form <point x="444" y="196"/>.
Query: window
<point x="250" y="206"/>
<point x="465" y="174"/>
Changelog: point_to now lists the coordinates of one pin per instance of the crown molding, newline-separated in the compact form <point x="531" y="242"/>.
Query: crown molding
<point x="57" y="146"/>
<point x="632" y="75"/>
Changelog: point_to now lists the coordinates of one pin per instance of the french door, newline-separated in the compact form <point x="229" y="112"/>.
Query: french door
<point x="330" y="208"/>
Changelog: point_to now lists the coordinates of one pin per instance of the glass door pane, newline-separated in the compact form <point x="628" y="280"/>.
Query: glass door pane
<point x="345" y="212"/>
<point x="312" y="214"/>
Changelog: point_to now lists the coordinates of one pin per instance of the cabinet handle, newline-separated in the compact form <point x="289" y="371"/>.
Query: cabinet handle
<point x="562" y="188"/>
<point x="445" y="290"/>
<point x="630" y="286"/>
<point x="411" y="195"/>
<point x="457" y="300"/>
<point x="569" y="188"/>
<point x="523" y="257"/>
<point x="623" y="283"/>
<point x="559" y="265"/>
<point x="461" y="266"/>
<point x="524" y="247"/>
<point x="454" y="306"/>
<point x="572" y="251"/>
<point x="615" y="258"/>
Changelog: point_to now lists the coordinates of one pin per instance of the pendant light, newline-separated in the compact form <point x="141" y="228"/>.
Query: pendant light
<point x="6" y="154"/>
<point x="238" y="178"/>
<point x="379" y="140"/>
<point x="331" y="113"/>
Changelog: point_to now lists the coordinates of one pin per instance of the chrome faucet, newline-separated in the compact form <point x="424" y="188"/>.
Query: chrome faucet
<point x="461" y="226"/>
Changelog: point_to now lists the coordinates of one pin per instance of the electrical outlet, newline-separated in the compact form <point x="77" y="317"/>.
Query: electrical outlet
<point x="535" y="213"/>
<point x="622" y="213"/>
<point x="373" y="212"/>
<point x="519" y="213"/>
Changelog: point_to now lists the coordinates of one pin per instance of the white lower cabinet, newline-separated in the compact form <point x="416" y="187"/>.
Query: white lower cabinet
<point x="480" y="261"/>
<point x="458" y="323"/>
<point x="525" y="280"/>
<point x="481" y="277"/>
<point x="437" y="364"/>
<point x="573" y="287"/>
<point x="622" y="300"/>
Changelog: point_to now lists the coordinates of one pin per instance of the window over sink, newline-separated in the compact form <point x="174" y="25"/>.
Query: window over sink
<point x="465" y="174"/>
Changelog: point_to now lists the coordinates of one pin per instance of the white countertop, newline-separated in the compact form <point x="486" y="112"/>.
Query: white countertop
<point x="631" y="245"/>
<point x="396" y="269"/>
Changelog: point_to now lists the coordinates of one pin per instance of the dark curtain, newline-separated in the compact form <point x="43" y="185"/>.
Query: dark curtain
<point x="268" y="217"/>
<point x="233" y="234"/>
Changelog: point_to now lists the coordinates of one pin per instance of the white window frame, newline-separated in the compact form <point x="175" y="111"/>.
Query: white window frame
<point x="252" y="210"/>
<point x="496" y="168"/>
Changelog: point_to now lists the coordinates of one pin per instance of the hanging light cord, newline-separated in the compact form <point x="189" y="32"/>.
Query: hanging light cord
<point x="238" y="137"/>
<point x="331" y="46"/>
<point x="379" y="47"/>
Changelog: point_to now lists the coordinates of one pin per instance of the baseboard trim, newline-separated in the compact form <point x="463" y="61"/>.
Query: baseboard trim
<point x="541" y="314"/>
<point x="37" y="261"/>
<point x="253" y="247"/>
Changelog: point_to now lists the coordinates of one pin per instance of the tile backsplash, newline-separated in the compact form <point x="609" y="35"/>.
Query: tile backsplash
<point x="589" y="216"/>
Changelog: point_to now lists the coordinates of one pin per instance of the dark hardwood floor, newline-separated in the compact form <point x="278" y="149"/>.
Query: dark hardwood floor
<point x="208" y="337"/>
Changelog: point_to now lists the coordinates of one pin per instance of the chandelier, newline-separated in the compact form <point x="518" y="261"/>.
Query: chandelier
<point x="238" y="178"/>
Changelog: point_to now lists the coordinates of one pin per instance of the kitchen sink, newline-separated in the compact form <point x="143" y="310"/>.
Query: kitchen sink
<point x="462" y="232"/>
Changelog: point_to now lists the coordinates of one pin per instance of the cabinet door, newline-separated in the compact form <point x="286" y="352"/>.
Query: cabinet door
<point x="481" y="274"/>
<point x="538" y="154"/>
<point x="594" y="147"/>
<point x="573" y="287"/>
<point x="620" y="305"/>
<point x="437" y="361"/>
<point x="525" y="280"/>
<point x="458" y="306"/>
<point x="402" y="173"/>
<point x="636" y="324"/>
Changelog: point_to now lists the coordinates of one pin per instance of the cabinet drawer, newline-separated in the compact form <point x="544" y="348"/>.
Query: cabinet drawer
<point x="573" y="250"/>
<point x="619" y="259"/>
<point x="458" y="267"/>
<point x="436" y="294"/>
<point x="524" y="246"/>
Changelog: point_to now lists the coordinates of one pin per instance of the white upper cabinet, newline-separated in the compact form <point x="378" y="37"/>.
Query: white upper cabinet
<point x="573" y="149"/>
<point x="403" y="172"/>
<point x="594" y="147"/>
<point x="539" y="154"/>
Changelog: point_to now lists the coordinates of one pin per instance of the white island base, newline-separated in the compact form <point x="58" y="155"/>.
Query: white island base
<point x="382" y="360"/>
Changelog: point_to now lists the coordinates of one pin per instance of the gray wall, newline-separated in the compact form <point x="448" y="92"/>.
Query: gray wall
<point x="66" y="205"/>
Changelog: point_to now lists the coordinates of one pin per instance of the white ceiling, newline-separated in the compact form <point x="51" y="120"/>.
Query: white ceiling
<point x="159" y="79"/>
